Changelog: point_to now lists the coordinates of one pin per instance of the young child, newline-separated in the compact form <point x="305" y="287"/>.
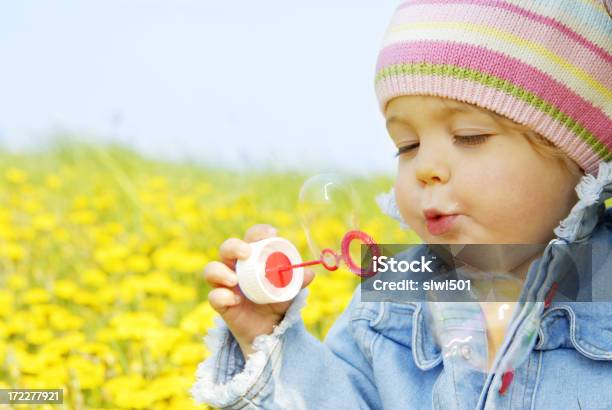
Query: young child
<point x="502" y="113"/>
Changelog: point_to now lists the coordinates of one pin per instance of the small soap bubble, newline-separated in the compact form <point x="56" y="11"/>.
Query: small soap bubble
<point x="327" y="210"/>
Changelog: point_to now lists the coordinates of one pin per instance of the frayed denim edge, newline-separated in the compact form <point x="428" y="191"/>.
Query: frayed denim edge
<point x="205" y="390"/>
<point x="589" y="190"/>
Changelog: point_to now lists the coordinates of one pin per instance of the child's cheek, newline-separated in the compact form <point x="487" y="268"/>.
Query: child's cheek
<point x="509" y="202"/>
<point x="495" y="196"/>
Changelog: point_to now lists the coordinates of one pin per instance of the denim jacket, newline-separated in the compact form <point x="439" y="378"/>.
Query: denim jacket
<point x="383" y="354"/>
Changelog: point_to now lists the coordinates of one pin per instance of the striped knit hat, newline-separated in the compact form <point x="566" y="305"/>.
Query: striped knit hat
<point x="546" y="64"/>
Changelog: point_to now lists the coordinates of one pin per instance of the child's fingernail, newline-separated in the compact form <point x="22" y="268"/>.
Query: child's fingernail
<point x="237" y="299"/>
<point x="232" y="280"/>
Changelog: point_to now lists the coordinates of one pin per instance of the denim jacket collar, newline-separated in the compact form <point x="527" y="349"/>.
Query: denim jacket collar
<point x="585" y="326"/>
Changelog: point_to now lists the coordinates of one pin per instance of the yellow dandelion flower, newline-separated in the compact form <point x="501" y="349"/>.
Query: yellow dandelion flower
<point x="63" y="320"/>
<point x="39" y="336"/>
<point x="83" y="217"/>
<point x="161" y="342"/>
<point x="283" y="219"/>
<point x="166" y="257"/>
<point x="184" y="403"/>
<point x="93" y="277"/>
<point x="16" y="324"/>
<point x="180" y="293"/>
<point x="134" y="325"/>
<point x="158" y="183"/>
<point x="26" y="362"/>
<point x="63" y="344"/>
<point x="112" y="258"/>
<point x="80" y="202"/>
<point x="138" y="263"/>
<point x="12" y="251"/>
<point x="27" y="234"/>
<point x="127" y="382"/>
<point x="95" y="349"/>
<point x="33" y="382"/>
<point x="191" y="262"/>
<point x="168" y="386"/>
<point x="60" y="235"/>
<point x="106" y="296"/>
<point x="6" y="302"/>
<point x="311" y="315"/>
<point x="53" y="182"/>
<point x="44" y="222"/>
<point x="129" y="288"/>
<point x="114" y="228"/>
<point x="105" y="202"/>
<point x="90" y="374"/>
<point x="90" y="299"/>
<point x="16" y="176"/>
<point x="32" y="206"/>
<point x="157" y="305"/>
<point x="54" y="375"/>
<point x="135" y="399"/>
<point x="106" y="335"/>
<point x="199" y="319"/>
<point x="65" y="289"/>
<point x="157" y="282"/>
<point x="187" y="353"/>
<point x="35" y="295"/>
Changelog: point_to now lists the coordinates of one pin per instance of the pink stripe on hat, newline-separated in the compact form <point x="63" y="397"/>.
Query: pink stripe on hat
<point x="575" y="52"/>
<point x="501" y="66"/>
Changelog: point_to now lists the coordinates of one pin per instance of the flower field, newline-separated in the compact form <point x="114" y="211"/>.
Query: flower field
<point x="101" y="254"/>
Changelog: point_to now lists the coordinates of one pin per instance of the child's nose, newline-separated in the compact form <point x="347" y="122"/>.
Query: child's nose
<point x="431" y="168"/>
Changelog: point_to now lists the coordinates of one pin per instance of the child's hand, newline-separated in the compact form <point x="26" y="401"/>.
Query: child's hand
<point x="245" y="319"/>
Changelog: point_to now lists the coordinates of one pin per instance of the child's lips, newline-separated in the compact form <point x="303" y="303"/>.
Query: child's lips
<point x="441" y="224"/>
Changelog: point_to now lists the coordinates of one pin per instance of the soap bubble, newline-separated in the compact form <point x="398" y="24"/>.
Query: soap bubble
<point x="460" y="332"/>
<point x="328" y="209"/>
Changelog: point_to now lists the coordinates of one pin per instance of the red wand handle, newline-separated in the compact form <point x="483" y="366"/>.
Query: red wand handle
<point x="299" y="265"/>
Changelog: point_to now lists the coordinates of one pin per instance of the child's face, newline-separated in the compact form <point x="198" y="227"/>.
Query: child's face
<point x="501" y="189"/>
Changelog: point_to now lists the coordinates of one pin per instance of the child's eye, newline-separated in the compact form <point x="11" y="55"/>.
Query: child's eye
<point x="406" y="148"/>
<point x="472" y="139"/>
<point x="462" y="139"/>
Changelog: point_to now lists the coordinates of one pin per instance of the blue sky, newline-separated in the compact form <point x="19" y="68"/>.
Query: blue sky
<point x="239" y="84"/>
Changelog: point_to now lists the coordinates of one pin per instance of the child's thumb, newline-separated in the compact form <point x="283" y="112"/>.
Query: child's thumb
<point x="260" y="231"/>
<point x="308" y="277"/>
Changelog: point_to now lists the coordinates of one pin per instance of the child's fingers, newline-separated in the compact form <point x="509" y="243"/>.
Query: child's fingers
<point x="219" y="274"/>
<point x="258" y="232"/>
<point x="221" y="299"/>
<point x="232" y="249"/>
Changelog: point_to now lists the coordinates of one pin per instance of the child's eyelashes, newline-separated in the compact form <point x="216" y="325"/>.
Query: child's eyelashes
<point x="406" y="148"/>
<point x="459" y="139"/>
<point x="472" y="139"/>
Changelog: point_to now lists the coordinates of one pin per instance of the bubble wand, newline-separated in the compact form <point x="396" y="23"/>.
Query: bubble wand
<point x="274" y="271"/>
